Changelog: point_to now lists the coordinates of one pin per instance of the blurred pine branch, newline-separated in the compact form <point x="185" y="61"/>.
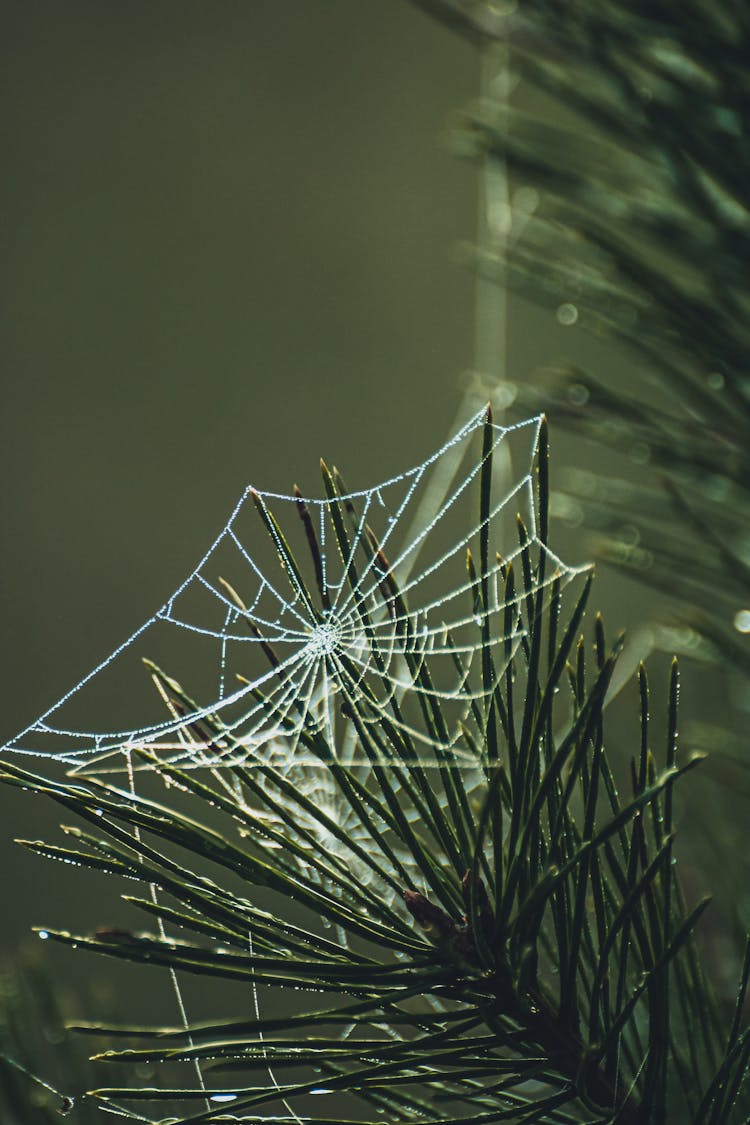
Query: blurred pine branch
<point x="626" y="143"/>
<point x="636" y="161"/>
<point x="41" y="1062"/>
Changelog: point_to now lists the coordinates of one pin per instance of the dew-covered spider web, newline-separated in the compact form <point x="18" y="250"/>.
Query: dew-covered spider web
<point x="350" y="631"/>
<point x="305" y="611"/>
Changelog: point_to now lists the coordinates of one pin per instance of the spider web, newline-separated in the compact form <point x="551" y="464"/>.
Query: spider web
<point x="303" y="612"/>
<point x="309" y="621"/>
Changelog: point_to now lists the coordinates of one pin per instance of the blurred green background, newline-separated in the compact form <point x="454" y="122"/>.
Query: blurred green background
<point x="227" y="236"/>
<point x="228" y="248"/>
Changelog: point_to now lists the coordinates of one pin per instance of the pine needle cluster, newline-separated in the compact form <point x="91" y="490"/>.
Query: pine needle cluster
<point x="522" y="950"/>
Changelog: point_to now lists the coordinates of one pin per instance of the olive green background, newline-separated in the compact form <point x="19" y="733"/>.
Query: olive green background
<point x="228" y="247"/>
<point x="228" y="239"/>
<point x="227" y="250"/>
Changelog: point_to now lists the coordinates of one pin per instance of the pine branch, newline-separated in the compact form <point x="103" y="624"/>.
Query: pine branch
<point x="641" y="234"/>
<point x="525" y="964"/>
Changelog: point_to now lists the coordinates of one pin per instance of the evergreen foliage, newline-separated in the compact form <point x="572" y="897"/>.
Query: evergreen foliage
<point x="636" y="145"/>
<point x="519" y="951"/>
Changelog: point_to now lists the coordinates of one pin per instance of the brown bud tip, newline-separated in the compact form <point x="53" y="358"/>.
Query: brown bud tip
<point x="112" y="933"/>
<point x="415" y="903"/>
<point x="427" y="915"/>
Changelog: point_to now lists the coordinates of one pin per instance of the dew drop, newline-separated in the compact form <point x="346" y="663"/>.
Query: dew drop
<point x="505" y="394"/>
<point x="630" y="535"/>
<point x="715" y="380"/>
<point x="43" y="935"/>
<point x="223" y="1097"/>
<point x="525" y="199"/>
<point x="578" y="394"/>
<point x="567" y="314"/>
<point x="742" y="621"/>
